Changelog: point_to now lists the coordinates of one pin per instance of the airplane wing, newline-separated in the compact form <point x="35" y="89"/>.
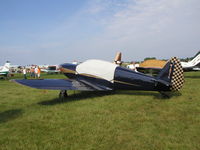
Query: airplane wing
<point x="63" y="84"/>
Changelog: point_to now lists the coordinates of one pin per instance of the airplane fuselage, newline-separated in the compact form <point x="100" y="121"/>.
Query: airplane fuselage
<point x="112" y="76"/>
<point x="99" y="75"/>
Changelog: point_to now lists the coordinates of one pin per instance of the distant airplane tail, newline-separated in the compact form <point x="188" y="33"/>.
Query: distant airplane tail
<point x="172" y="73"/>
<point x="196" y="59"/>
<point x="6" y="67"/>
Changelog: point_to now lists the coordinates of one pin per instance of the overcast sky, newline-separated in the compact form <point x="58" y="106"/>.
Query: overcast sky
<point x="57" y="31"/>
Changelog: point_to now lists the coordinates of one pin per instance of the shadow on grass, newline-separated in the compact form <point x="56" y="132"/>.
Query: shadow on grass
<point x="10" y="115"/>
<point x="85" y="94"/>
<point x="155" y="94"/>
<point x="77" y="97"/>
<point x="192" y="77"/>
<point x="168" y="95"/>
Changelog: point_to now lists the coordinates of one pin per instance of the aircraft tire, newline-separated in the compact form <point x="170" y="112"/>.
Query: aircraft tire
<point x="63" y="94"/>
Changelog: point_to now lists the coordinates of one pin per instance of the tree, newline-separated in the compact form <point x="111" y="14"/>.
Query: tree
<point x="149" y="58"/>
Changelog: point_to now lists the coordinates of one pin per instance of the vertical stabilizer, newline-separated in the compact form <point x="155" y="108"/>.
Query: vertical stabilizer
<point x="177" y="78"/>
<point x="196" y="59"/>
<point x="172" y="73"/>
<point x="6" y="67"/>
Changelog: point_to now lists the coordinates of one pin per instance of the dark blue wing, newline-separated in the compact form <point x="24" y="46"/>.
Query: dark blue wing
<point x="61" y="84"/>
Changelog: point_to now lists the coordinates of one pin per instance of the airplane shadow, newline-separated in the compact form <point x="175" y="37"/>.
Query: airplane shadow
<point x="192" y="77"/>
<point x="85" y="94"/>
<point x="156" y="94"/>
<point x="77" y="97"/>
<point x="10" y="115"/>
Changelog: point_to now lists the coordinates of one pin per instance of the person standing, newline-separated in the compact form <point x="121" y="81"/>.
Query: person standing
<point x="36" y="72"/>
<point x="32" y="72"/>
<point x="24" y="73"/>
<point x="39" y="71"/>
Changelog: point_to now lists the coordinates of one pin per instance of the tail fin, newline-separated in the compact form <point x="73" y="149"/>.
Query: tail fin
<point x="6" y="67"/>
<point x="172" y="73"/>
<point x="196" y="59"/>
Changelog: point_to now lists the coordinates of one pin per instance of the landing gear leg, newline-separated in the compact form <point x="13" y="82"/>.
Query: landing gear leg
<point x="63" y="94"/>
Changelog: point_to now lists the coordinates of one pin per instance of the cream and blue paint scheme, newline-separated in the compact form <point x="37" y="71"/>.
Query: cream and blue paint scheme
<point x="95" y="75"/>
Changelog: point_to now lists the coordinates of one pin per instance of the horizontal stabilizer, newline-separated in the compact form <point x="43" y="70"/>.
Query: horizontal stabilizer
<point x="172" y="73"/>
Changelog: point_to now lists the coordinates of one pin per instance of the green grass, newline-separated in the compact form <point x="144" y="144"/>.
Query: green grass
<point x="35" y="119"/>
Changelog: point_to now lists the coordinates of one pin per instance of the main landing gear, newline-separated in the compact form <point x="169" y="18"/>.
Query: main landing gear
<point x="63" y="94"/>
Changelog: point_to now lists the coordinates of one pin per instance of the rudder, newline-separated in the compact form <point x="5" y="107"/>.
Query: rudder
<point x="177" y="78"/>
<point x="172" y="74"/>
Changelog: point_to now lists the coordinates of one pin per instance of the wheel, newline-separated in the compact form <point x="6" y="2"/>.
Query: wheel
<point x="63" y="94"/>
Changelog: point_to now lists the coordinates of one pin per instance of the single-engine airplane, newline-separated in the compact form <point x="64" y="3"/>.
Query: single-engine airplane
<point x="53" y="69"/>
<point x="4" y="70"/>
<point x="193" y="65"/>
<point x="99" y="75"/>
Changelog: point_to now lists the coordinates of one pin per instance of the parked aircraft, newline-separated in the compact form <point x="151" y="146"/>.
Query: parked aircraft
<point x="51" y="69"/>
<point x="152" y="66"/>
<point x="4" y="70"/>
<point x="193" y="65"/>
<point x="95" y="75"/>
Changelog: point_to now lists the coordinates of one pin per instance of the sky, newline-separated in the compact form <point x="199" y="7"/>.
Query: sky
<point x="58" y="31"/>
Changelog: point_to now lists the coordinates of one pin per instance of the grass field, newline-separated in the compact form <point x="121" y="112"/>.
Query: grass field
<point x="34" y="119"/>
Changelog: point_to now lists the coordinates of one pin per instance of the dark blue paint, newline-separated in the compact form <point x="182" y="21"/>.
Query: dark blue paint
<point x="70" y="67"/>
